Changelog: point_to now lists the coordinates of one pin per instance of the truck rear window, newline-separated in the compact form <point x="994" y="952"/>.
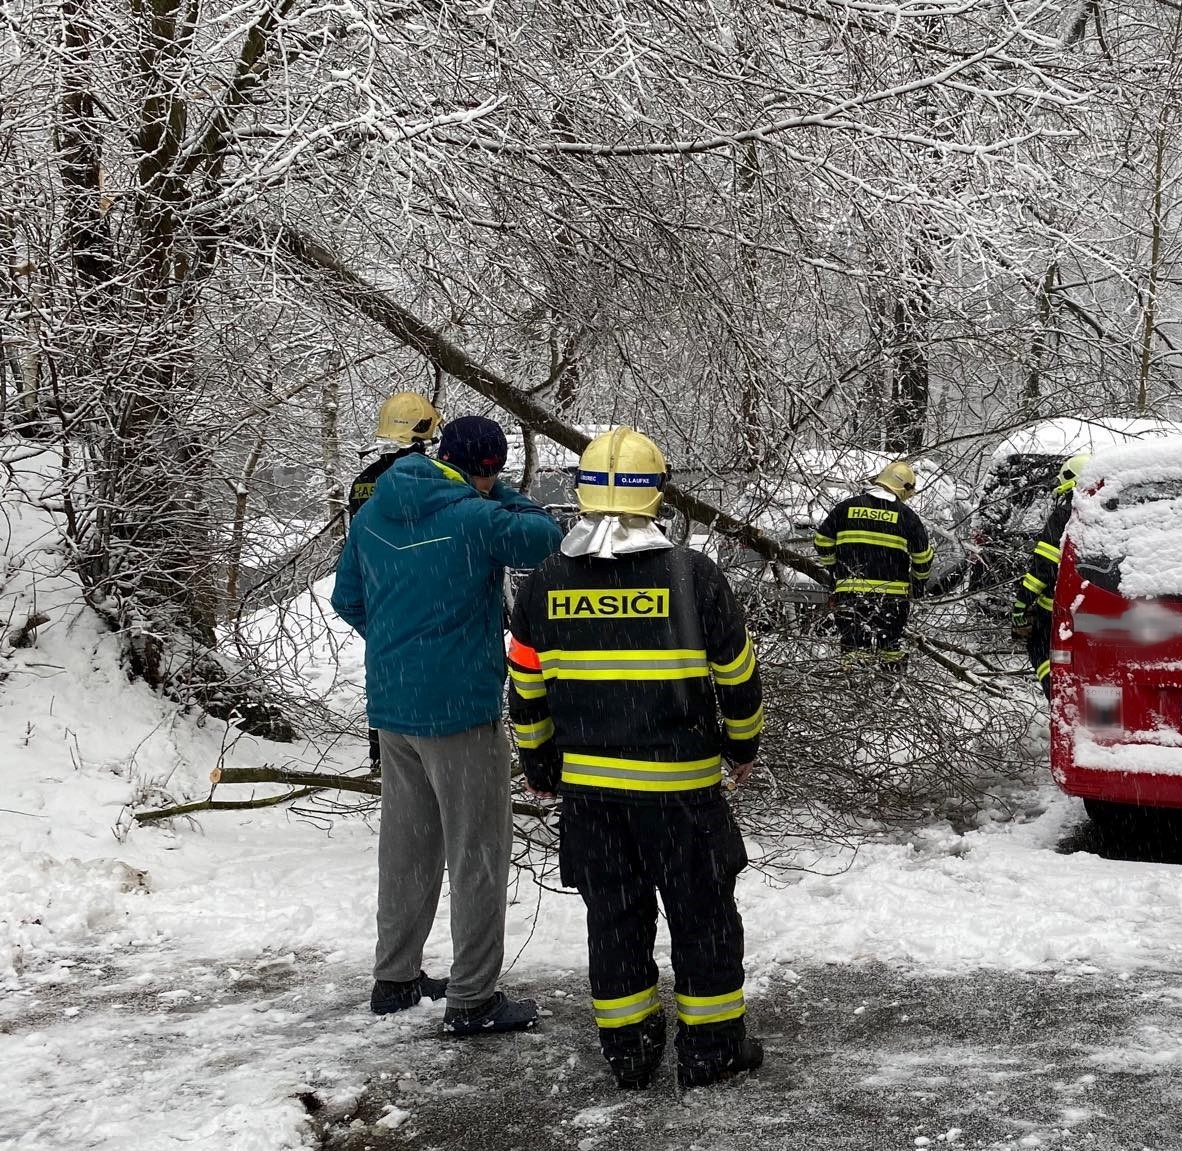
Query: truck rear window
<point x="1105" y="570"/>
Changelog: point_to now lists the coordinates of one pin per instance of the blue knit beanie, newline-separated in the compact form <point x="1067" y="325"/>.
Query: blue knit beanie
<point x="474" y="444"/>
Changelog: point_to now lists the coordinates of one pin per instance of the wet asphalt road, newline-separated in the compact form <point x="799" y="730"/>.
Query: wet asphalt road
<point x="858" y="1057"/>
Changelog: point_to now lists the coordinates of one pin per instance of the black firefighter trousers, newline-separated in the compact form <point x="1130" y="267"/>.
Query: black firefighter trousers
<point x="874" y="624"/>
<point x="619" y="853"/>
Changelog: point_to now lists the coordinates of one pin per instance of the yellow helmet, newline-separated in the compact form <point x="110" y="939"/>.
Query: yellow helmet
<point x="898" y="477"/>
<point x="1070" y="470"/>
<point x="621" y="473"/>
<point x="406" y="418"/>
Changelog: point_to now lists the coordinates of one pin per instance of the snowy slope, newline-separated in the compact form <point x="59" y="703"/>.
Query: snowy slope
<point x="166" y="985"/>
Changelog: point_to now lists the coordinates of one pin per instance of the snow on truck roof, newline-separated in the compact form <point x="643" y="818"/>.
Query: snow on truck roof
<point x="1128" y="507"/>
<point x="1070" y="434"/>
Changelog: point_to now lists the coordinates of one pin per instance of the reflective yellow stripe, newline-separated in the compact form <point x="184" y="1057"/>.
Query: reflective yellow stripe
<point x="878" y="539"/>
<point x="1048" y="551"/>
<point x="921" y="575"/>
<point x="534" y="734"/>
<point x="739" y="670"/>
<point x="1033" y="583"/>
<point x="1043" y="670"/>
<point x="827" y="561"/>
<point x="874" y="586"/>
<point x="626" y="1010"/>
<point x="820" y="541"/>
<point x="694" y="1010"/>
<point x="924" y="557"/>
<point x="1046" y="603"/>
<point x="528" y="684"/>
<point x="747" y="728"/>
<point x="655" y="663"/>
<point x="640" y="774"/>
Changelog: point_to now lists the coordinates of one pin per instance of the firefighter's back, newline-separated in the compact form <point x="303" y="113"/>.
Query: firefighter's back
<point x="622" y="647"/>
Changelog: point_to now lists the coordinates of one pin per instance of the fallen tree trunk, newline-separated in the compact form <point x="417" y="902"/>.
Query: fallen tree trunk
<point x="358" y="294"/>
<point x="303" y="783"/>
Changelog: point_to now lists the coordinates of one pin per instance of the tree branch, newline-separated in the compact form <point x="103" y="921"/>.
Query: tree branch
<point x="358" y="294"/>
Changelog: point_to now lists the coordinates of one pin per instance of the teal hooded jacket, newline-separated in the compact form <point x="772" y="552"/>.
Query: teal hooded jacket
<point x="420" y="578"/>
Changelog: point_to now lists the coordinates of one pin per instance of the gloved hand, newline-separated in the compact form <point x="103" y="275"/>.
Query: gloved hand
<point x="1020" y="627"/>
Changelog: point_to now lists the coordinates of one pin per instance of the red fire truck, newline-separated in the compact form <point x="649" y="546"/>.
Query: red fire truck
<point x="1116" y="655"/>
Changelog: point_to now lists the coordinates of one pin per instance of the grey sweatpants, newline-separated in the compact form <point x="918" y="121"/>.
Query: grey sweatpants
<point x="445" y="799"/>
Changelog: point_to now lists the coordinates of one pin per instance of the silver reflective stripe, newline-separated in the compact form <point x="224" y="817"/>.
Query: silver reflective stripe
<point x="738" y="674"/>
<point x="708" y="1009"/>
<point x="559" y="663"/>
<point x="630" y="773"/>
<point x="628" y="1009"/>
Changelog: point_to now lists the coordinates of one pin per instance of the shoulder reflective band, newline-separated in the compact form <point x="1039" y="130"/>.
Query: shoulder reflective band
<point x="627" y="1009"/>
<point x="697" y="1009"/>
<point x="623" y="479"/>
<point x="873" y="586"/>
<point x="616" y="603"/>
<point x="640" y="774"/>
<point x="657" y="663"/>
<point x="874" y="539"/>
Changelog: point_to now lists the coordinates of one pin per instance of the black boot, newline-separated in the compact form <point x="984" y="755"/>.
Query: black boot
<point x="634" y="1053"/>
<point x="703" y="1072"/>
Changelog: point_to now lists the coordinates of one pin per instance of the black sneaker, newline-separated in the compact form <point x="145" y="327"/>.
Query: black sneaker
<point x="389" y="995"/>
<point x="702" y="1074"/>
<point x="498" y="1014"/>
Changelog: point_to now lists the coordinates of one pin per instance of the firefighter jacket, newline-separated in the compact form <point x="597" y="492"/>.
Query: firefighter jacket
<point x="618" y="671"/>
<point x="363" y="485"/>
<point x="1036" y="589"/>
<point x="874" y="544"/>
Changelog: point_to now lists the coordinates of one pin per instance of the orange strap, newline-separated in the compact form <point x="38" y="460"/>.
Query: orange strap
<point x="524" y="657"/>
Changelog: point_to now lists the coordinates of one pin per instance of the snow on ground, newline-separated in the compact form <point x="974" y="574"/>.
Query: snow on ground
<point x="181" y="985"/>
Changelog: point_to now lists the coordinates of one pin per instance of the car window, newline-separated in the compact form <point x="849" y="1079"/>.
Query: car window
<point x="1147" y="492"/>
<point x="1103" y="566"/>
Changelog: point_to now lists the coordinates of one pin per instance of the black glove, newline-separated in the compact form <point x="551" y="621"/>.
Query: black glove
<point x="542" y="767"/>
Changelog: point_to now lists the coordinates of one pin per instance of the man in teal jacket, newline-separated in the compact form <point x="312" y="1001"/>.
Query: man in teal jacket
<point x="420" y="578"/>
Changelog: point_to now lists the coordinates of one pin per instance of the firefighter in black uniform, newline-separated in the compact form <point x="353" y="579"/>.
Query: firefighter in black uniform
<point x="878" y="552"/>
<point x="406" y="423"/>
<point x="1034" y="597"/>
<point x="624" y="650"/>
